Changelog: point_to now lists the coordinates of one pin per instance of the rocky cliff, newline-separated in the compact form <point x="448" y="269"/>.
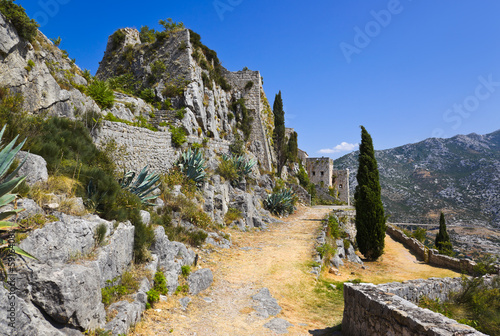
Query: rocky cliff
<point x="459" y="176"/>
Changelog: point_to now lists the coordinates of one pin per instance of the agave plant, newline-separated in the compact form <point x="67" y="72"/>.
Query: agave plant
<point x="143" y="185"/>
<point x="192" y="164"/>
<point x="280" y="202"/>
<point x="7" y="184"/>
<point x="241" y="164"/>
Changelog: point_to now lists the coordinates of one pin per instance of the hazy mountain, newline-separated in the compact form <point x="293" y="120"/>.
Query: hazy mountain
<point x="459" y="176"/>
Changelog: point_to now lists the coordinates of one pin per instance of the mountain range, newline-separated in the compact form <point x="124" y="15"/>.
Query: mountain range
<point x="459" y="176"/>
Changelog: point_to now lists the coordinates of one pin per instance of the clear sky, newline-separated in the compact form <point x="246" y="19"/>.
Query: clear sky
<point x="406" y="70"/>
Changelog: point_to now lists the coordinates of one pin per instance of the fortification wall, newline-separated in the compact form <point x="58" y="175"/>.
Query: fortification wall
<point x="320" y="170"/>
<point x="430" y="255"/>
<point x="139" y="146"/>
<point x="259" y="139"/>
<point x="341" y="183"/>
<point x="390" y="309"/>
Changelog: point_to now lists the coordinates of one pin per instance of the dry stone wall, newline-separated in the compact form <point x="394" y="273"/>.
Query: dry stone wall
<point x="390" y="309"/>
<point x="430" y="255"/>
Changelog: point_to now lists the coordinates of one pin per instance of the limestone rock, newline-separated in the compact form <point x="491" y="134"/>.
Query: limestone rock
<point x="28" y="319"/>
<point x="145" y="217"/>
<point x="200" y="280"/>
<point x="61" y="240"/>
<point x="8" y="36"/>
<point x="127" y="314"/>
<point x="115" y="257"/>
<point x="352" y="256"/>
<point x="278" y="325"/>
<point x="266" y="305"/>
<point x="69" y="294"/>
<point x="184" y="302"/>
<point x="34" y="168"/>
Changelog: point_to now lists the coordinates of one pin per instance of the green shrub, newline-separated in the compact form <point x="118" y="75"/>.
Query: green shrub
<point x="178" y="136"/>
<point x="326" y="251"/>
<point x="26" y="28"/>
<point x="118" y="38"/>
<point x="243" y="118"/>
<point x="153" y="296"/>
<point x="101" y="93"/>
<point x="227" y="170"/>
<point x="100" y="233"/>
<point x="231" y="215"/>
<point x="248" y="85"/>
<point x="160" y="283"/>
<point x="333" y="227"/>
<point x="179" y="114"/>
<point x="147" y="35"/>
<point x="186" y="270"/>
<point x="170" y="25"/>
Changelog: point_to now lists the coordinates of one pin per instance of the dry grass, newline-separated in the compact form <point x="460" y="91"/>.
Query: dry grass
<point x="280" y="260"/>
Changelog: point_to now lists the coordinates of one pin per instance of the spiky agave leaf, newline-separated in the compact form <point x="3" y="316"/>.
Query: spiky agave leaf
<point x="192" y="164"/>
<point x="142" y="186"/>
<point x="281" y="202"/>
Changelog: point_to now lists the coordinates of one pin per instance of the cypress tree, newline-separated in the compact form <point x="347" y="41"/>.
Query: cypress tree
<point x="442" y="241"/>
<point x="370" y="217"/>
<point x="279" y="132"/>
<point x="292" y="148"/>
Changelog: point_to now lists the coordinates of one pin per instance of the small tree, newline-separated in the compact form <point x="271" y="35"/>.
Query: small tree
<point x="370" y="217"/>
<point x="443" y="243"/>
<point x="279" y="132"/>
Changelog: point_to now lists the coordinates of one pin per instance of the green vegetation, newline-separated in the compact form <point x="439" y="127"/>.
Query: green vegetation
<point x="101" y="93"/>
<point x="443" y="243"/>
<point x="477" y="305"/>
<point x="370" y="218"/>
<point x="192" y="164"/>
<point x="30" y="65"/>
<point x="118" y="38"/>
<point x="141" y="121"/>
<point x="7" y="185"/>
<point x="235" y="168"/>
<point x="153" y="297"/>
<point x="100" y="234"/>
<point x="170" y="25"/>
<point x="243" y="118"/>
<point x="419" y="234"/>
<point x="280" y="202"/>
<point x="292" y="151"/>
<point x="248" y="85"/>
<point x="143" y="185"/>
<point x="26" y="28"/>
<point x="160" y="283"/>
<point x="232" y="215"/>
<point x="279" y="133"/>
<point x="118" y="287"/>
<point x="186" y="270"/>
<point x="178" y="136"/>
<point x="147" y="35"/>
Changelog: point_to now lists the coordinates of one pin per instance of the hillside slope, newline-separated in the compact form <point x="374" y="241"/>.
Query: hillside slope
<point x="459" y="176"/>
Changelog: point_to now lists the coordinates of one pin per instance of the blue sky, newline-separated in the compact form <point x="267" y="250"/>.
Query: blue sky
<point x="406" y="70"/>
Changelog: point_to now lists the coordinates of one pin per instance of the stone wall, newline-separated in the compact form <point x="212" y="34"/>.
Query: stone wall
<point x="430" y="255"/>
<point x="390" y="309"/>
<point x="259" y="138"/>
<point x="320" y="170"/>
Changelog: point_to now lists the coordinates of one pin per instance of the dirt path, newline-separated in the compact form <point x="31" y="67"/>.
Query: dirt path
<point x="280" y="260"/>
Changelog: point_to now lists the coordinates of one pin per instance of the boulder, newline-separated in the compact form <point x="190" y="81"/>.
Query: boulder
<point x="145" y="217"/>
<point x="69" y="294"/>
<point x="115" y="257"/>
<point x="127" y="314"/>
<point x="34" y="168"/>
<point x="68" y="238"/>
<point x="27" y="321"/>
<point x="200" y="280"/>
<point x="352" y="256"/>
<point x="336" y="261"/>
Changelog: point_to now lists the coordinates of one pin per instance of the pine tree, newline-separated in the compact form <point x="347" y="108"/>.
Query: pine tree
<point x="443" y="242"/>
<point x="370" y="217"/>
<point x="279" y="132"/>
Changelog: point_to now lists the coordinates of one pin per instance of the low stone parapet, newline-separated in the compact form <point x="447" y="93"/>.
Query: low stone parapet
<point x="380" y="310"/>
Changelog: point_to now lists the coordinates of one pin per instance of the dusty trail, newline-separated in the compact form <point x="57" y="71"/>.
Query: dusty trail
<point x="278" y="259"/>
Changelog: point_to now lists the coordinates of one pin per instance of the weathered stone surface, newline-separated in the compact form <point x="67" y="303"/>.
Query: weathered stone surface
<point x="69" y="294"/>
<point x="266" y="305"/>
<point x="61" y="240"/>
<point x="218" y="241"/>
<point x="171" y="257"/>
<point x="278" y="325"/>
<point x="34" y="168"/>
<point x="352" y="256"/>
<point x="116" y="256"/>
<point x="8" y="36"/>
<point x="27" y="318"/>
<point x="380" y="310"/>
<point x="200" y="280"/>
<point x="127" y="314"/>
<point x="145" y="217"/>
<point x="29" y="206"/>
<point x="184" y="302"/>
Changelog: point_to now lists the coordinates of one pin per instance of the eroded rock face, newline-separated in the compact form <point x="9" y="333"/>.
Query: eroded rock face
<point x="68" y="238"/>
<point x="69" y="294"/>
<point x="34" y="168"/>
